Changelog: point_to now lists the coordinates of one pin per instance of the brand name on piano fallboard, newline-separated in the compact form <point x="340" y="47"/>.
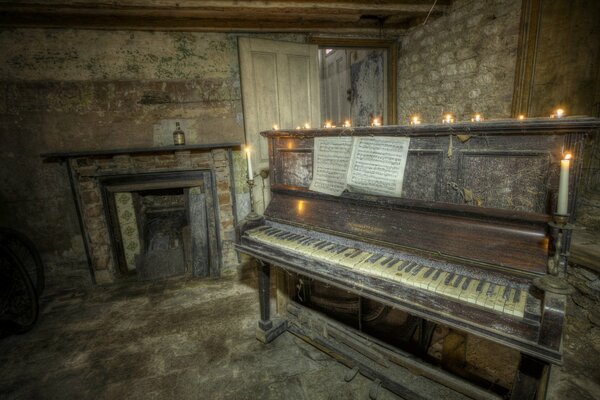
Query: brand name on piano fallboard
<point x="363" y="228"/>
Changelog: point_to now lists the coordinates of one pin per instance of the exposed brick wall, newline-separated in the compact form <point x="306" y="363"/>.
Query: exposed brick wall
<point x="462" y="63"/>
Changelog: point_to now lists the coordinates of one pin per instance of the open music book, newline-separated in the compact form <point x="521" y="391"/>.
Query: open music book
<point x="371" y="164"/>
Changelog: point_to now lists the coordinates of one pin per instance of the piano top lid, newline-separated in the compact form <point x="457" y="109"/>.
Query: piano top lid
<point x="529" y="126"/>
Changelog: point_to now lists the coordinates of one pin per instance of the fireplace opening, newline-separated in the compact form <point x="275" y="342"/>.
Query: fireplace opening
<point x="163" y="225"/>
<point x="164" y="234"/>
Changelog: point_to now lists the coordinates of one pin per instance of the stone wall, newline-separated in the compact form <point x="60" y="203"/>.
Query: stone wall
<point x="462" y="63"/>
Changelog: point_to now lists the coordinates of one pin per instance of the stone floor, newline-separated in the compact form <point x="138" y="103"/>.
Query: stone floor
<point x="181" y="338"/>
<point x="190" y="338"/>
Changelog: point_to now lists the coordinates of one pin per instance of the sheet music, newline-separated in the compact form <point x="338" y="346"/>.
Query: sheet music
<point x="377" y="165"/>
<point x="330" y="165"/>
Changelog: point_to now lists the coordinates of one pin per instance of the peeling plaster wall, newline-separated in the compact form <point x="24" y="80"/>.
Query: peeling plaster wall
<point x="66" y="90"/>
<point x="461" y="63"/>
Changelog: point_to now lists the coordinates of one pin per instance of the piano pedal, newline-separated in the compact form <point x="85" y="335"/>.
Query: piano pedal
<point x="351" y="374"/>
<point x="374" y="390"/>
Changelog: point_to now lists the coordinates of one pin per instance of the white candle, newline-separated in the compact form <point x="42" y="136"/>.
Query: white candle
<point x="249" y="159"/>
<point x="563" y="186"/>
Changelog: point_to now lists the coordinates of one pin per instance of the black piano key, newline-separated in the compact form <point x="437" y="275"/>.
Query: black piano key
<point x="402" y="265"/>
<point x="342" y="249"/>
<point x="429" y="272"/>
<point x="480" y="286"/>
<point x="517" y="295"/>
<point x="417" y="269"/>
<point x="334" y="248"/>
<point x="387" y="260"/>
<point x="410" y="266"/>
<point x="506" y="293"/>
<point x="466" y="283"/>
<point x="394" y="262"/>
<point x="458" y="280"/>
<point x="374" y="258"/>
<point x="449" y="278"/>
<point x="305" y="241"/>
<point x="357" y="252"/>
<point x="490" y="290"/>
<point x="321" y="245"/>
<point x="436" y="275"/>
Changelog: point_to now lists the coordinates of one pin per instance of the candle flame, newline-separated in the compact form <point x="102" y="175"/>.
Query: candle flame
<point x="376" y="122"/>
<point x="275" y="127"/>
<point x="347" y="123"/>
<point x="415" y="120"/>
<point x="521" y="117"/>
<point x="247" y="149"/>
<point x="568" y="156"/>
<point x="560" y="113"/>
<point x="448" y="119"/>
<point x="306" y="125"/>
<point x="328" y="124"/>
<point x="477" y="118"/>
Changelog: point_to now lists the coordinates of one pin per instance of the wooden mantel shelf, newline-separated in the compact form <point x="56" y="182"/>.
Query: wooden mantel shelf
<point x="137" y="150"/>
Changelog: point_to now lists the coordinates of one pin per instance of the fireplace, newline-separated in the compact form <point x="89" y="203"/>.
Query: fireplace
<point x="156" y="212"/>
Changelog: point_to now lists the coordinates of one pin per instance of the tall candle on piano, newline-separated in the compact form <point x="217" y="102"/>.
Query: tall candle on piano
<point x="563" y="186"/>
<point x="250" y="173"/>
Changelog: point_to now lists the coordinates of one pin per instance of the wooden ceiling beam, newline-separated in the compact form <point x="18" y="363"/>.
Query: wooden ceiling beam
<point x="342" y="6"/>
<point x="213" y="15"/>
<point x="198" y="24"/>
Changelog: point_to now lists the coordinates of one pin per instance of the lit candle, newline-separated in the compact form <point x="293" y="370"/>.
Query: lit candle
<point x="477" y="118"/>
<point x="560" y="113"/>
<point x="415" y="120"/>
<point x="563" y="186"/>
<point x="448" y="119"/>
<point x="376" y="122"/>
<point x="347" y="124"/>
<point x="328" y="124"/>
<point x="249" y="159"/>
<point x="275" y="127"/>
<point x="297" y="127"/>
<point x="521" y="117"/>
<point x="306" y="125"/>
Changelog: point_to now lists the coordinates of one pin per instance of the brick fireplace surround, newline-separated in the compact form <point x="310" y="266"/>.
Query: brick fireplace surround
<point x="88" y="170"/>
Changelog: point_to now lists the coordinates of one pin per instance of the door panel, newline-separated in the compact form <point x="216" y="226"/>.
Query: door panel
<point x="280" y="85"/>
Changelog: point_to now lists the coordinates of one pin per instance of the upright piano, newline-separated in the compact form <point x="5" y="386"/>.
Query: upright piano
<point x="463" y="245"/>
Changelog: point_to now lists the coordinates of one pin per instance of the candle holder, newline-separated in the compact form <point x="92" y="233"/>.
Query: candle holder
<point x="252" y="215"/>
<point x="555" y="280"/>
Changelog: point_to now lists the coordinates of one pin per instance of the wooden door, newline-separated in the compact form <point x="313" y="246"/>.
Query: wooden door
<point x="280" y="85"/>
<point x="336" y="85"/>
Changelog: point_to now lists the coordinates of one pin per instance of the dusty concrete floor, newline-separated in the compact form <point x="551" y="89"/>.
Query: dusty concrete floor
<point x="171" y="339"/>
<point x="186" y="338"/>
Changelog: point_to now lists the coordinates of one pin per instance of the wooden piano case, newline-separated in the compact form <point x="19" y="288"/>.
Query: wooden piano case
<point x="479" y="195"/>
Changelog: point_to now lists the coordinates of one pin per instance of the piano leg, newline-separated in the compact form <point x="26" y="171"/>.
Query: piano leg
<point x="267" y="329"/>
<point x="531" y="379"/>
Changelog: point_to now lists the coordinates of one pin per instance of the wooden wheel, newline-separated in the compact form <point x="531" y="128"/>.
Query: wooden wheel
<point x="26" y="252"/>
<point x="18" y="298"/>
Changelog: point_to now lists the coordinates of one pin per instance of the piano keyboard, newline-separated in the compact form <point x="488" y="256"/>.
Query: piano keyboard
<point x="480" y="292"/>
